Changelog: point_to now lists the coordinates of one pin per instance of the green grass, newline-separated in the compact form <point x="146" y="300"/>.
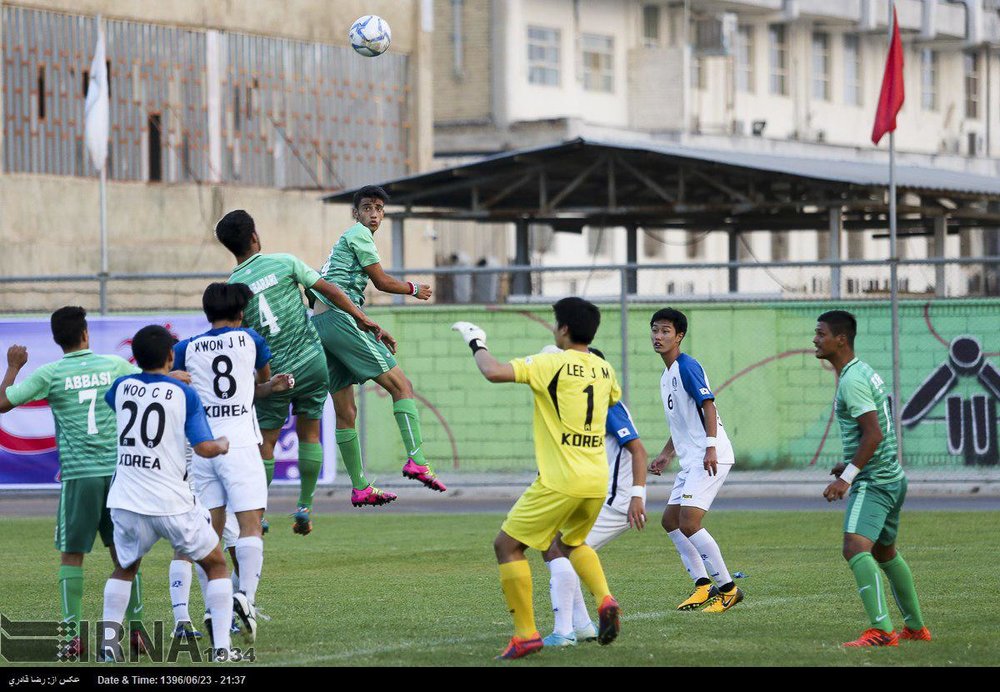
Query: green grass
<point x="401" y="590"/>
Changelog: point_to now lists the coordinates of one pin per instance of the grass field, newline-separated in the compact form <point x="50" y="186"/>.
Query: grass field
<point x="403" y="590"/>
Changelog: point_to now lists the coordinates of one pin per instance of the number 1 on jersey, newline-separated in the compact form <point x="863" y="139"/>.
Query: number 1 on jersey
<point x="267" y="317"/>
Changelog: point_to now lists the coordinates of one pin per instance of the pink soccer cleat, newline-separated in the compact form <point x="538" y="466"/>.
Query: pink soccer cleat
<point x="371" y="496"/>
<point x="424" y="474"/>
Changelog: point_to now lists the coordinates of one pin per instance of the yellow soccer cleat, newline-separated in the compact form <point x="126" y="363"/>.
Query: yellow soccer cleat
<point x="701" y="595"/>
<point x="724" y="601"/>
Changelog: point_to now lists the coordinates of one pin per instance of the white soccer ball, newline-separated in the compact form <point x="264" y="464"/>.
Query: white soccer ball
<point x="370" y="36"/>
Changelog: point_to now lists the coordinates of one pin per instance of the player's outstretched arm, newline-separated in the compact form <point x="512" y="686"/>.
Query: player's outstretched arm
<point x="492" y="369"/>
<point x="637" y="506"/>
<point x="212" y="448"/>
<point x="17" y="357"/>
<point x="387" y="284"/>
<point x="336" y="296"/>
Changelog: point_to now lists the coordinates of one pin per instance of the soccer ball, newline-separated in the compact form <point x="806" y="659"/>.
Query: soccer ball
<point x="370" y="36"/>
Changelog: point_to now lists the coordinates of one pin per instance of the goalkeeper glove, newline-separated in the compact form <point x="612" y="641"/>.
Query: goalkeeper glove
<point x="473" y="335"/>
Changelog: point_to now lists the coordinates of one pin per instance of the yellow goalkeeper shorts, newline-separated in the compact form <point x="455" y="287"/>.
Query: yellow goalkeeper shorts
<point x="539" y="514"/>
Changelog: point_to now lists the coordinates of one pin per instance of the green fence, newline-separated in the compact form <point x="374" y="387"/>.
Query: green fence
<point x="773" y="394"/>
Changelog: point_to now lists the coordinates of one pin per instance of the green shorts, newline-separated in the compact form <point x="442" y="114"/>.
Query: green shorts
<point x="307" y="397"/>
<point x="83" y="513"/>
<point x="352" y="356"/>
<point x="873" y="510"/>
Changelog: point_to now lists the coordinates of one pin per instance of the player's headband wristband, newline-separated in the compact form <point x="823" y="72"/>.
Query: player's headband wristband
<point x="476" y="346"/>
<point x="848" y="474"/>
<point x="710" y="442"/>
<point x="639" y="491"/>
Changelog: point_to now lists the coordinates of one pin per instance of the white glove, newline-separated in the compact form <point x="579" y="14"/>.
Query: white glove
<point x="551" y="348"/>
<point x="470" y="332"/>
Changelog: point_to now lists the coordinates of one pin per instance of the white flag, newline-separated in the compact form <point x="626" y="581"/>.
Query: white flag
<point x="97" y="106"/>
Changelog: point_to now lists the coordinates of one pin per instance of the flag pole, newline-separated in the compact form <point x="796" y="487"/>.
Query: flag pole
<point x="894" y="278"/>
<point x="104" y="241"/>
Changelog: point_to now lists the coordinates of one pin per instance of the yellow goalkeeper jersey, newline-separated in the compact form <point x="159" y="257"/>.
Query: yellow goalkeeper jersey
<point x="573" y="391"/>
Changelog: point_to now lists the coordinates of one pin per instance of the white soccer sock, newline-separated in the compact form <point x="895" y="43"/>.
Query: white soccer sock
<point x="180" y="589"/>
<point x="203" y="580"/>
<point x="711" y="556"/>
<point x="234" y="577"/>
<point x="250" y="555"/>
<point x="116" y="596"/>
<point x="562" y="586"/>
<point x="581" y="618"/>
<point x="689" y="555"/>
<point x="219" y="600"/>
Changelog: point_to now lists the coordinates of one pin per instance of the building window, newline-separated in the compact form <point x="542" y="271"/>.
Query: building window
<point x="743" y="51"/>
<point x="821" y="66"/>
<point x="543" y="56"/>
<point x="928" y="79"/>
<point x="971" y="85"/>
<point x="779" y="59"/>
<point x="651" y="25"/>
<point x="598" y="62"/>
<point x="852" y="70"/>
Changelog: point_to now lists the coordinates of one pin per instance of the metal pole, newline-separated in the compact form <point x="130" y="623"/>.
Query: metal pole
<point x="734" y="256"/>
<point x="623" y="321"/>
<point x="398" y="252"/>
<point x="104" y="242"/>
<point x="894" y="280"/>
<point x="940" y="238"/>
<point x="632" y="256"/>
<point x="521" y="284"/>
<point x="836" y="226"/>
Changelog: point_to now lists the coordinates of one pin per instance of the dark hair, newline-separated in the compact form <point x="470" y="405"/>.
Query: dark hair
<point x="599" y="353"/>
<point x="840" y="322"/>
<point x="373" y="191"/>
<point x="68" y="325"/>
<point x="223" y="301"/>
<point x="234" y="231"/>
<point x="674" y="317"/>
<point x="151" y="347"/>
<point x="581" y="316"/>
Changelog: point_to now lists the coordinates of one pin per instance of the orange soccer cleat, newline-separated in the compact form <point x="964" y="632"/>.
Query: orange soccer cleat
<point x="875" y="637"/>
<point x="519" y="647"/>
<point x="921" y="635"/>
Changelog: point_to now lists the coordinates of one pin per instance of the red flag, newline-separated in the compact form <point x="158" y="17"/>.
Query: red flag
<point x="891" y="98"/>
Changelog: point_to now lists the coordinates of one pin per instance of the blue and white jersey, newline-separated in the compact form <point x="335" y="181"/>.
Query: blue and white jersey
<point x="619" y="431"/>
<point x="684" y="389"/>
<point x="223" y="364"/>
<point x="154" y="414"/>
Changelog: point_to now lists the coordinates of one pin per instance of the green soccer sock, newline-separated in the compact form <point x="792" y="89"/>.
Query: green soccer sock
<point x="71" y="592"/>
<point x="405" y="413"/>
<point x="269" y="470"/>
<point x="134" y="612"/>
<point x="310" y="463"/>
<point x="869" y="581"/>
<point x="350" y="453"/>
<point x="904" y="591"/>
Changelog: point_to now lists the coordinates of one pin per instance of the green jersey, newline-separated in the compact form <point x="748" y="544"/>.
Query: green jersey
<point x="353" y="252"/>
<point x="859" y="391"/>
<point x="86" y="428"/>
<point x="276" y="310"/>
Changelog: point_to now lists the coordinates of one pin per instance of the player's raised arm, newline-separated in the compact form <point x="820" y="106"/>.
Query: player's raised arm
<point x="492" y="369"/>
<point x="387" y="284"/>
<point x="340" y="299"/>
<point x="17" y="357"/>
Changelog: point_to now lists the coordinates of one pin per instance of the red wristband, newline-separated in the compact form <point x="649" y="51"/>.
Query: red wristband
<point x="412" y="288"/>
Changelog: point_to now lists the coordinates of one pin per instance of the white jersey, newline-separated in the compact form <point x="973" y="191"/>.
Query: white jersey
<point x="684" y="389"/>
<point x="619" y="431"/>
<point x="223" y="364"/>
<point x="154" y="414"/>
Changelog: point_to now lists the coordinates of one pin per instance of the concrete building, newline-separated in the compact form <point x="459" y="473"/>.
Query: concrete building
<point x="214" y="106"/>
<point x="790" y="77"/>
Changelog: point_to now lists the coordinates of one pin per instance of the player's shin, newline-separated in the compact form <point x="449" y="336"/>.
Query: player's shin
<point x="71" y="593"/>
<point x="405" y="413"/>
<point x="562" y="588"/>
<point x="689" y="555"/>
<point x="350" y="451"/>
<point x="135" y="606"/>
<point x="179" y="575"/>
<point x="515" y="580"/>
<point x="116" y="597"/>
<point x="269" y="470"/>
<point x="588" y="566"/>
<point x="219" y="601"/>
<point x="250" y="556"/>
<point x="711" y="556"/>
<point x="869" y="581"/>
<point x="310" y="464"/>
<point x="904" y="591"/>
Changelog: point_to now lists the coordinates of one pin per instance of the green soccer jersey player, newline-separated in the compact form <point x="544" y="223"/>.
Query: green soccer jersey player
<point x="88" y="443"/>
<point x="874" y="483"/>
<point x="354" y="357"/>
<point x="277" y="313"/>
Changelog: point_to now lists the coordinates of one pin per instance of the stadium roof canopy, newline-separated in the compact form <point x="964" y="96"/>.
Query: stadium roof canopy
<point x="661" y="185"/>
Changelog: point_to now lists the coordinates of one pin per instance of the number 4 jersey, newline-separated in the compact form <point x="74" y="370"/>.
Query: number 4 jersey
<point x="223" y="364"/>
<point x="154" y="415"/>
<point x="573" y="391"/>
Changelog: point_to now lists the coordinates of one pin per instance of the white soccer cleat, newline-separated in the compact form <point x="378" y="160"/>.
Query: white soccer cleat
<point x="243" y="609"/>
<point x="588" y="633"/>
